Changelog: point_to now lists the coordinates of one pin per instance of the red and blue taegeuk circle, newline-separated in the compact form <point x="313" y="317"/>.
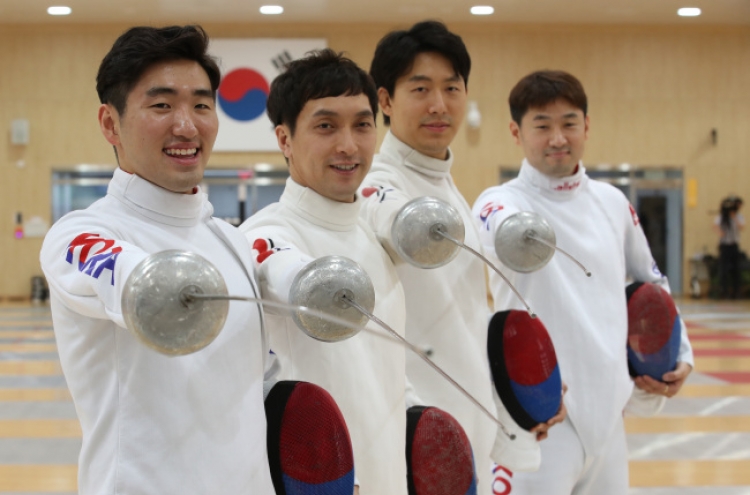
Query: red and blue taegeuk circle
<point x="243" y="93"/>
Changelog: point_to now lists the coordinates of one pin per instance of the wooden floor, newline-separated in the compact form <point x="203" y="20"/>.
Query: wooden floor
<point x="699" y="445"/>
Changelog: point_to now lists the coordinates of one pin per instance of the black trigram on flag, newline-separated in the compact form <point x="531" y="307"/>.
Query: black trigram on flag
<point x="280" y="60"/>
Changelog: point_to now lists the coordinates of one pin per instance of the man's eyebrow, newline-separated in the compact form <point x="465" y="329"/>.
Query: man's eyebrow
<point x="544" y="116"/>
<point x="204" y="92"/>
<point x="422" y="77"/>
<point x="419" y="78"/>
<point x="324" y="112"/>
<point x="163" y="90"/>
<point x="160" y="90"/>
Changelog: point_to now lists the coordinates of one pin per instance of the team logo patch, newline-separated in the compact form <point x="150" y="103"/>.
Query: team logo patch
<point x="378" y="191"/>
<point x="633" y="214"/>
<point x="488" y="210"/>
<point x="93" y="262"/>
<point x="568" y="186"/>
<point x="265" y="248"/>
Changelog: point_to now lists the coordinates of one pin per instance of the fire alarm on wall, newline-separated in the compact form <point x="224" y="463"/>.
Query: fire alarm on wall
<point x="19" y="132"/>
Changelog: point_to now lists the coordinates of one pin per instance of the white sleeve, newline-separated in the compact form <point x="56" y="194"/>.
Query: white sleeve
<point x="489" y="211"/>
<point x="639" y="262"/>
<point x="686" y="350"/>
<point x="519" y="454"/>
<point x="523" y="452"/>
<point x="380" y="205"/>
<point x="411" y="398"/>
<point x="644" y="404"/>
<point x="640" y="266"/>
<point x="87" y="267"/>
<point x="272" y="369"/>
<point x="276" y="261"/>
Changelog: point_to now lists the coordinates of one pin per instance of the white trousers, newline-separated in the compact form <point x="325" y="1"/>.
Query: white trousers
<point x="566" y="470"/>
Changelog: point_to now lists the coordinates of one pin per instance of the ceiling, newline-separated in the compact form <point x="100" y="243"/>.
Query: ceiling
<point x="734" y="12"/>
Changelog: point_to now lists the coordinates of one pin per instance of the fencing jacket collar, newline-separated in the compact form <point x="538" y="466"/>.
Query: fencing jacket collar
<point x="553" y="187"/>
<point x="397" y="151"/>
<point x="319" y="210"/>
<point x="157" y="203"/>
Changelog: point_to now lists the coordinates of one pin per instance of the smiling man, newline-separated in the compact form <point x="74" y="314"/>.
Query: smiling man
<point x="169" y="128"/>
<point x="586" y="317"/>
<point x="324" y="107"/>
<point x="156" y="424"/>
<point x="553" y="137"/>
<point x="422" y="76"/>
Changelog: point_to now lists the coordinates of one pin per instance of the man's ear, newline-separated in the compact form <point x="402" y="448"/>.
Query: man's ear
<point x="586" y="127"/>
<point x="515" y="131"/>
<point x="284" y="138"/>
<point x="109" y="123"/>
<point x="384" y="99"/>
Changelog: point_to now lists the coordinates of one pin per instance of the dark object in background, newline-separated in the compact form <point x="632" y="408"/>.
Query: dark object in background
<point x="39" y="290"/>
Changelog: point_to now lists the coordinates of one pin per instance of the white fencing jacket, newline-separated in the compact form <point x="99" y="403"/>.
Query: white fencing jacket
<point x="365" y="374"/>
<point x="446" y="307"/>
<point x="154" y="424"/>
<point x="586" y="317"/>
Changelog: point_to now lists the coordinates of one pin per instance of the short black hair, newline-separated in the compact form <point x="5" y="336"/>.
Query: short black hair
<point x="320" y="74"/>
<point x="139" y="48"/>
<point x="543" y="87"/>
<point x="396" y="51"/>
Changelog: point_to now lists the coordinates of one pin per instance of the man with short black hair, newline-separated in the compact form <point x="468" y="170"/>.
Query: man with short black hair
<point x="157" y="424"/>
<point x="587" y="318"/>
<point x="324" y="108"/>
<point x="422" y="75"/>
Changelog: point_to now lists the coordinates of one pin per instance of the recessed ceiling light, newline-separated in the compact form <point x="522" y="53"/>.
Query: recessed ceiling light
<point x="59" y="10"/>
<point x="271" y="9"/>
<point x="482" y="10"/>
<point x="689" y="12"/>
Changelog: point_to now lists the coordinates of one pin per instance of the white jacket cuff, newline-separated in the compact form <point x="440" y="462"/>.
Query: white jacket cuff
<point x="644" y="404"/>
<point x="521" y="454"/>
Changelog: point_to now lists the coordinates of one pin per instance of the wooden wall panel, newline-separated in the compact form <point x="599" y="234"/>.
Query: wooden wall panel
<point x="655" y="93"/>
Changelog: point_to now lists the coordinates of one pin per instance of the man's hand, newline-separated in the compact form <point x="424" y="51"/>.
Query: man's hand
<point x="542" y="428"/>
<point x="671" y="383"/>
<point x="356" y="489"/>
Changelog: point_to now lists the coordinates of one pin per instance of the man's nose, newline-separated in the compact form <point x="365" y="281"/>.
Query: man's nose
<point x="437" y="103"/>
<point x="558" y="137"/>
<point x="347" y="143"/>
<point x="184" y="124"/>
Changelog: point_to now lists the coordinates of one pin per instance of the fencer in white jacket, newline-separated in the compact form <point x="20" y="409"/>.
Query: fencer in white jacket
<point x="329" y="140"/>
<point x="365" y="373"/>
<point x="586" y="317"/>
<point x="447" y="311"/>
<point x="151" y="423"/>
<point x="422" y="75"/>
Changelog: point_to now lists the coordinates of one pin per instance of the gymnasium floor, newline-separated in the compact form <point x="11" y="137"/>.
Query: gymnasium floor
<point x="699" y="445"/>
